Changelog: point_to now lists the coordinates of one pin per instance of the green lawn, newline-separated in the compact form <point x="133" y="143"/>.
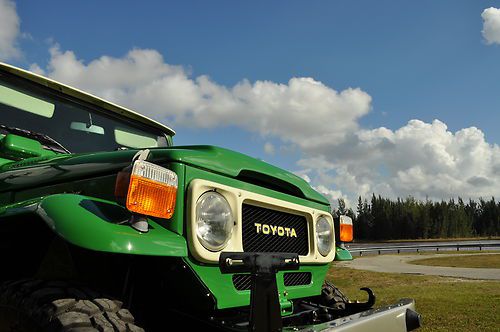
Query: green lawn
<point x="481" y="261"/>
<point x="446" y="304"/>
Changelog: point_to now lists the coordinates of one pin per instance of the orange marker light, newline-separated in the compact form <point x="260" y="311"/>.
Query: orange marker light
<point x="152" y="190"/>
<point x="346" y="229"/>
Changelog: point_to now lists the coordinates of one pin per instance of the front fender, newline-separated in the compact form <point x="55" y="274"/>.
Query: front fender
<point x="100" y="225"/>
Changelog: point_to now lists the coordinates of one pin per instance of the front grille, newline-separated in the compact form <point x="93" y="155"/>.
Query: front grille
<point x="244" y="281"/>
<point x="282" y="240"/>
<point x="297" y="278"/>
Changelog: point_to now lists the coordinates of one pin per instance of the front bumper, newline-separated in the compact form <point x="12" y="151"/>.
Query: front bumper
<point x="397" y="317"/>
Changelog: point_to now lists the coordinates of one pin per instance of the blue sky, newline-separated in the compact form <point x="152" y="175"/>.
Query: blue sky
<point x="409" y="60"/>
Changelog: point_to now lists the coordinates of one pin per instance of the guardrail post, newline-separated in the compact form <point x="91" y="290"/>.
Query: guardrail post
<point x="360" y="253"/>
<point x="458" y="247"/>
<point x="379" y="252"/>
<point x="480" y="247"/>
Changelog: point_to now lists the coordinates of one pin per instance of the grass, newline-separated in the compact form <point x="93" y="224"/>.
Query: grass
<point x="478" y="261"/>
<point x="446" y="304"/>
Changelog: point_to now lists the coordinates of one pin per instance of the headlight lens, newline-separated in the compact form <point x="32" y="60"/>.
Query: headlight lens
<point x="214" y="220"/>
<point x="324" y="236"/>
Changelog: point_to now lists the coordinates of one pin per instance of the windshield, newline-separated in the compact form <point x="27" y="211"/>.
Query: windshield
<point x="77" y="127"/>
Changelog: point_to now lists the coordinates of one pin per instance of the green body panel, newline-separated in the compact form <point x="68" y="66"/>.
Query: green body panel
<point x="217" y="160"/>
<point x="3" y="161"/>
<point x="221" y="285"/>
<point x="93" y="224"/>
<point x="342" y="254"/>
<point x="234" y="164"/>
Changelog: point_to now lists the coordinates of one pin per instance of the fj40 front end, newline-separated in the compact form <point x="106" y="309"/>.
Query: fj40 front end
<point x="107" y="226"/>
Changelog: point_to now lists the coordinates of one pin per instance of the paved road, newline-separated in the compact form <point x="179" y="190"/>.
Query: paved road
<point x="399" y="264"/>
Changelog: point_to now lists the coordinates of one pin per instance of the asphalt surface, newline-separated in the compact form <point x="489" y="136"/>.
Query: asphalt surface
<point x="399" y="264"/>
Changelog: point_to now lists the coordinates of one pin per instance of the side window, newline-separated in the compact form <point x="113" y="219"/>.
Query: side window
<point x="24" y="102"/>
<point x="135" y="139"/>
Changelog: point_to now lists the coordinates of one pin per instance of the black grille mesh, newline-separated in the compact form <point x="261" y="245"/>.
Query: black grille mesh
<point x="259" y="242"/>
<point x="297" y="278"/>
<point x="244" y="281"/>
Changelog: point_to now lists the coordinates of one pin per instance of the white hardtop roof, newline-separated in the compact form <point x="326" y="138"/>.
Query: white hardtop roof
<point x="78" y="94"/>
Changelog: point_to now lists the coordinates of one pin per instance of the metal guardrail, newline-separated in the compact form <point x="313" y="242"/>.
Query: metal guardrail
<point x="424" y="247"/>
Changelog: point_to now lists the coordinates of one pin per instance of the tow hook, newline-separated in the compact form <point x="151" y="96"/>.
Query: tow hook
<point x="356" y="306"/>
<point x="333" y="298"/>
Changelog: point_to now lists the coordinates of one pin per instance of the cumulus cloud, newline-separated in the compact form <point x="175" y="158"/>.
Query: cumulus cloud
<point x="419" y="159"/>
<point x="303" y="111"/>
<point x="9" y="30"/>
<point x="269" y="148"/>
<point x="491" y="25"/>
<point x="341" y="159"/>
<point x="333" y="196"/>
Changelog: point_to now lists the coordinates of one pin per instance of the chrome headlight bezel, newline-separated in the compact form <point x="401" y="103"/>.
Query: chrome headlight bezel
<point x="324" y="235"/>
<point x="213" y="212"/>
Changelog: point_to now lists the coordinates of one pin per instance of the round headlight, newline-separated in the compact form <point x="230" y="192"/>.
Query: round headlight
<point x="214" y="221"/>
<point x="324" y="236"/>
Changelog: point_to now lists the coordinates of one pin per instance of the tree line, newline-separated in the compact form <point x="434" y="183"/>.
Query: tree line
<point x="386" y="219"/>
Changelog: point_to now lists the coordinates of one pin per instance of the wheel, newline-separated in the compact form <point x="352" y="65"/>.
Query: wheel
<point x="35" y="305"/>
<point x="332" y="296"/>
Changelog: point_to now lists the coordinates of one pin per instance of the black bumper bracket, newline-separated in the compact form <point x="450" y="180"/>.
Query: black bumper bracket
<point x="265" y="312"/>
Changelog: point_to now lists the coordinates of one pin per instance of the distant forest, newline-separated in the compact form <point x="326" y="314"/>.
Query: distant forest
<point x="385" y="219"/>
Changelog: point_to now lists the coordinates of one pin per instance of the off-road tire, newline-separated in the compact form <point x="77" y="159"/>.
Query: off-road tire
<point x="35" y="305"/>
<point x="332" y="296"/>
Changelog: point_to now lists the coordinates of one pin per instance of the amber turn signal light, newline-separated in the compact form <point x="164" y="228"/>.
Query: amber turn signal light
<point x="152" y="190"/>
<point x="346" y="229"/>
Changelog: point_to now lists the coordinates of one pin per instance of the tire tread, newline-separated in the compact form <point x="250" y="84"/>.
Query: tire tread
<point x="63" y="307"/>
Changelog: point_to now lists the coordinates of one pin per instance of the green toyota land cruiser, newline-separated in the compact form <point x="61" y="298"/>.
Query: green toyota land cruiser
<point x="106" y="225"/>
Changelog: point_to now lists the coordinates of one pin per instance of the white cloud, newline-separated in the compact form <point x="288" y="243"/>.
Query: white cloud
<point x="269" y="148"/>
<point x="305" y="177"/>
<point x="491" y="25"/>
<point x="304" y="111"/>
<point x="340" y="158"/>
<point x="9" y="30"/>
<point x="419" y="159"/>
<point x="333" y="196"/>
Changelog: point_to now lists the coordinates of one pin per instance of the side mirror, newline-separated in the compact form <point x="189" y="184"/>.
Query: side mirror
<point x="88" y="128"/>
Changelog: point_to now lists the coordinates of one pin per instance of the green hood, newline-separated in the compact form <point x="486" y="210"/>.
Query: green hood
<point x="34" y="172"/>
